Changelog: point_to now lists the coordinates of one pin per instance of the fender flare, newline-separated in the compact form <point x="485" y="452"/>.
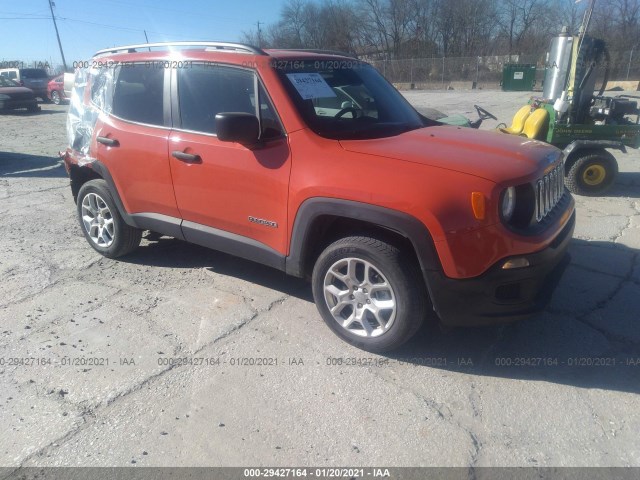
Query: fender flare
<point x="102" y="170"/>
<point x="399" y="222"/>
<point x="578" y="145"/>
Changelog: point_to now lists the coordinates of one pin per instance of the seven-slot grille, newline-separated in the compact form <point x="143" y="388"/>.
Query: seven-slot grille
<point x="549" y="190"/>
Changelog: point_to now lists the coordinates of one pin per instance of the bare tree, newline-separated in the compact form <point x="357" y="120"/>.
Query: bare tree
<point x="423" y="28"/>
<point x="518" y="19"/>
<point x="571" y="14"/>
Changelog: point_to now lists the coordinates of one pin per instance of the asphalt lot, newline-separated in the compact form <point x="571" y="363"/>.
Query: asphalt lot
<point x="560" y="389"/>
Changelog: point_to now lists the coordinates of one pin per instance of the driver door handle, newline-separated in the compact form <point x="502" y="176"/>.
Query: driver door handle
<point x="186" y="157"/>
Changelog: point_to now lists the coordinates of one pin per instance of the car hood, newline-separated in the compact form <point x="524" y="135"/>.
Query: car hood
<point x="14" y="90"/>
<point x="495" y="156"/>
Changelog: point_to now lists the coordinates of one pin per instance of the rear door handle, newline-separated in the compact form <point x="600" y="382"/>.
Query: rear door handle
<point x="187" y="157"/>
<point x="109" y="142"/>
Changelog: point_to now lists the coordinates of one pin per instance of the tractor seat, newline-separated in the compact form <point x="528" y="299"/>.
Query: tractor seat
<point x="536" y="125"/>
<point x="517" y="125"/>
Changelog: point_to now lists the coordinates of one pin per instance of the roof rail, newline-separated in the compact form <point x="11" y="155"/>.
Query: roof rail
<point x="233" y="47"/>
<point x="325" y="52"/>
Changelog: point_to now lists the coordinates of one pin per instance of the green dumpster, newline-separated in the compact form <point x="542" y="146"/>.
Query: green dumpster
<point x="517" y="77"/>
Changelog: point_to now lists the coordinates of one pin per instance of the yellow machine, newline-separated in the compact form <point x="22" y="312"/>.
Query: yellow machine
<point x="573" y="114"/>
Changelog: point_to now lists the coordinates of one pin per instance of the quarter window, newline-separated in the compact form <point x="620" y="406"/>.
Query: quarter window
<point x="270" y="126"/>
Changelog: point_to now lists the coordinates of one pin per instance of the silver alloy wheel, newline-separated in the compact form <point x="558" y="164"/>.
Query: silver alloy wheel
<point x="97" y="220"/>
<point x="359" y="297"/>
<point x="55" y="97"/>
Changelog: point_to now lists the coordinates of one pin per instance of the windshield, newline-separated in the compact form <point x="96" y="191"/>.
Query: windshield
<point x="5" y="82"/>
<point x="347" y="99"/>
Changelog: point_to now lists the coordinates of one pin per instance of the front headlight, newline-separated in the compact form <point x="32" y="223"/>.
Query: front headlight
<point x="508" y="203"/>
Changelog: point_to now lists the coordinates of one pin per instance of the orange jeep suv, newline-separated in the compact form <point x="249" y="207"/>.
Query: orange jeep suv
<point x="310" y="162"/>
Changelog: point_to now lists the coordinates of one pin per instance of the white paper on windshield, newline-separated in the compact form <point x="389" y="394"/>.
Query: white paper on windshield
<point x="311" y="85"/>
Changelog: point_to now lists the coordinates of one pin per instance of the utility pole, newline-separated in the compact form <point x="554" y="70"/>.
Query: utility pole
<point x="146" y="38"/>
<point x="259" y="34"/>
<point x="64" y="62"/>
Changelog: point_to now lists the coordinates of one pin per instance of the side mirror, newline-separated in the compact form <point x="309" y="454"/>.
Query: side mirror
<point x="243" y="128"/>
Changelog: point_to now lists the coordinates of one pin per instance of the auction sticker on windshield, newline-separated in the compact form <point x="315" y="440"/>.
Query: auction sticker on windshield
<point x="311" y="85"/>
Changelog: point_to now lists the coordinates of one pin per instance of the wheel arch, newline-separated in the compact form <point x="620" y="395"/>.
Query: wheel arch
<point x="79" y="175"/>
<point x="98" y="171"/>
<point x="319" y="221"/>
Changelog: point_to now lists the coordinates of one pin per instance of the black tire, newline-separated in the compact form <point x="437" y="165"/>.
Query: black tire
<point x="123" y="238"/>
<point x="592" y="173"/>
<point x="55" y="97"/>
<point x="390" y="264"/>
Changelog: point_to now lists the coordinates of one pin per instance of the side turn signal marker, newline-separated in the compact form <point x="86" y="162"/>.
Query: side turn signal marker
<point x="478" y="205"/>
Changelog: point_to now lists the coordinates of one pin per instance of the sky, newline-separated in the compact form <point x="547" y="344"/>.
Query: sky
<point x="86" y="26"/>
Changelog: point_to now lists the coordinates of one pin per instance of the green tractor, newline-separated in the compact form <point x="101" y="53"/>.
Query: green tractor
<point x="574" y="115"/>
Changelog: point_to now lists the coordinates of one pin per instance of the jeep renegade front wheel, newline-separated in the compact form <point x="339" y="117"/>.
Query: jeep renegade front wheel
<point x="101" y="223"/>
<point x="369" y="293"/>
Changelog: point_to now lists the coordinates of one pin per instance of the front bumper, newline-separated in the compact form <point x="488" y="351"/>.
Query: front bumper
<point x="498" y="295"/>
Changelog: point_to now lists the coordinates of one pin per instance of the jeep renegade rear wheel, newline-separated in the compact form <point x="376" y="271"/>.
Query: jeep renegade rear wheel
<point x="101" y="223"/>
<point x="369" y="293"/>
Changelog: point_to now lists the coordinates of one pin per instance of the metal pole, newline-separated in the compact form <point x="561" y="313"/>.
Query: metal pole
<point x="411" y="74"/>
<point x="259" y="34"/>
<point x="630" y="58"/>
<point x="585" y="23"/>
<point x="443" y="73"/>
<point x="477" y="70"/>
<point x="64" y="62"/>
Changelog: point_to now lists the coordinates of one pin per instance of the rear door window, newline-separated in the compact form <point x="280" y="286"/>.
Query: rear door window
<point x="138" y="94"/>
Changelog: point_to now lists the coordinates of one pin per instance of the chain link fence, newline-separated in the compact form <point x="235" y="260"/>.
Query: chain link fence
<point x="484" y="72"/>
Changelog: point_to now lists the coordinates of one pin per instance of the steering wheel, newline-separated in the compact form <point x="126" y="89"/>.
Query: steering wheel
<point x="483" y="114"/>
<point x="353" y="111"/>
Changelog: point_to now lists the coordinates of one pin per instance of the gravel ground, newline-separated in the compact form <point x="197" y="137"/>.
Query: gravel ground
<point x="460" y="398"/>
